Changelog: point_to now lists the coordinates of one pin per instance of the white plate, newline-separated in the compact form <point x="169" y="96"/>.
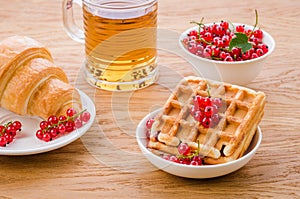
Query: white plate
<point x="190" y="171"/>
<point x="26" y="143"/>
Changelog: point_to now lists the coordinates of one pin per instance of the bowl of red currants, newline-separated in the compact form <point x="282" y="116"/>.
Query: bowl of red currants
<point x="228" y="52"/>
<point x="194" y="167"/>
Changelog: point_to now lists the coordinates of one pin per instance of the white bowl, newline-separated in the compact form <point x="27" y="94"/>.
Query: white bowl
<point x="190" y="171"/>
<point x="239" y="72"/>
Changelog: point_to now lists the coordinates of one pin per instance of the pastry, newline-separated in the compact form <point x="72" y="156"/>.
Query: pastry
<point x="228" y="140"/>
<point x="30" y="83"/>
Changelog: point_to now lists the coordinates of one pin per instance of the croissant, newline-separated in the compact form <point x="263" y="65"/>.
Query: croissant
<point x="30" y="83"/>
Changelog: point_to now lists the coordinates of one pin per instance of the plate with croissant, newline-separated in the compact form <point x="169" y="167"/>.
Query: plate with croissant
<point x="36" y="93"/>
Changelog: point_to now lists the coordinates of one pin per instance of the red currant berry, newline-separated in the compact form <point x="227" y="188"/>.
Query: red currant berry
<point x="215" y="109"/>
<point x="216" y="40"/>
<point x="62" y="118"/>
<point x="223" y="55"/>
<point x="228" y="58"/>
<point x="258" y="33"/>
<point x="61" y="129"/>
<point x="221" y="43"/>
<point x="248" y="32"/>
<point x="208" y="29"/>
<point x="69" y="126"/>
<point x="11" y="129"/>
<point x="174" y="159"/>
<point x="17" y="125"/>
<point x="192" y="48"/>
<point x="197" y="100"/>
<point x="9" y="137"/>
<point x="264" y="47"/>
<point x="220" y="30"/>
<point x="251" y="51"/>
<point x="77" y="123"/>
<point x="207" y="101"/>
<point x="224" y="24"/>
<point x="193" y="33"/>
<point x="184" y="161"/>
<point x="192" y="39"/>
<point x="235" y="52"/>
<point x="255" y="40"/>
<point x="226" y="40"/>
<point x="239" y="59"/>
<point x="3" y="141"/>
<point x="193" y="110"/>
<point x="218" y="102"/>
<point x="149" y="123"/>
<point x="185" y="41"/>
<point x="166" y="157"/>
<point x="198" y="115"/>
<point x="85" y="116"/>
<point x="240" y="28"/>
<point x="39" y="134"/>
<point x="208" y="37"/>
<point x="52" y="120"/>
<point x="206" y="122"/>
<point x="53" y="132"/>
<point x="259" y="52"/>
<point x="184" y="149"/>
<point x="207" y="52"/>
<point x="46" y="137"/>
<point x="195" y="163"/>
<point x="246" y="55"/>
<point x="43" y="125"/>
<point x="254" y="55"/>
<point x="71" y="112"/>
<point x="197" y="159"/>
<point x="215" y="51"/>
<point x="215" y="118"/>
<point x="208" y="111"/>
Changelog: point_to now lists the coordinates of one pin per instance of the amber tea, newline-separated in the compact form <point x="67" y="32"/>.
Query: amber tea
<point x="120" y="45"/>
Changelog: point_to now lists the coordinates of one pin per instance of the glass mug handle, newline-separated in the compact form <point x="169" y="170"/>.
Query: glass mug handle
<point x="70" y="26"/>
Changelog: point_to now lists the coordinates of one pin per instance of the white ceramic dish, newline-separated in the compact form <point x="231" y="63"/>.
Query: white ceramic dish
<point x="26" y="142"/>
<point x="241" y="72"/>
<point x="189" y="171"/>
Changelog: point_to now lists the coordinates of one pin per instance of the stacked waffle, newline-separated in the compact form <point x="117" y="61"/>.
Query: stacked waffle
<point x="227" y="140"/>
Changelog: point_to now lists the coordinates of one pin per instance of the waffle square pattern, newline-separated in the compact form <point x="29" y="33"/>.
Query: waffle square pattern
<point x="239" y="116"/>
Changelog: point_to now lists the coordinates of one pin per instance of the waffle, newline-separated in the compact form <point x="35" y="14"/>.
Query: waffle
<point x="243" y="110"/>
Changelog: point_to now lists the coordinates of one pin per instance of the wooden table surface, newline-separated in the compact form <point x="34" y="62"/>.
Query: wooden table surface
<point x="107" y="163"/>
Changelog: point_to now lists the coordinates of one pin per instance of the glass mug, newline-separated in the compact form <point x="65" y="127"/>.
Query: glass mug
<point x="120" y="41"/>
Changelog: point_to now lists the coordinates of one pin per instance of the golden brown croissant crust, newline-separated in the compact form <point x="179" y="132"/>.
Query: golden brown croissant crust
<point x="30" y="83"/>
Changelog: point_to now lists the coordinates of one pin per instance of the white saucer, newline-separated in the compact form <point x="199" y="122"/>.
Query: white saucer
<point x="26" y="143"/>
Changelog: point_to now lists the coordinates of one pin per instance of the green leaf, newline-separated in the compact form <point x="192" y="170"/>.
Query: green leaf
<point x="240" y="41"/>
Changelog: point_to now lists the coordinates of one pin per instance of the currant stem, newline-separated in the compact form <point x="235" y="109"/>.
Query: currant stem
<point x="208" y="90"/>
<point x="7" y="124"/>
<point x="61" y="122"/>
<point x="198" y="23"/>
<point x="256" y="18"/>
<point x="198" y="149"/>
<point x="233" y="27"/>
<point x="256" y="23"/>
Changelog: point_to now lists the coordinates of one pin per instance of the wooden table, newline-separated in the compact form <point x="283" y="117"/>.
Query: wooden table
<point x="107" y="163"/>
